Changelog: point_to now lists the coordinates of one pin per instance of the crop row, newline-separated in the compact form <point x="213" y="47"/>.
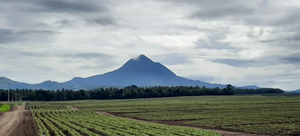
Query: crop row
<point x="64" y="122"/>
<point x="46" y="107"/>
<point x="253" y="114"/>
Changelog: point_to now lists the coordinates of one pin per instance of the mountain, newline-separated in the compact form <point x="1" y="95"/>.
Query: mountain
<point x="248" y="87"/>
<point x="6" y="83"/>
<point x="296" y="91"/>
<point x="140" y="71"/>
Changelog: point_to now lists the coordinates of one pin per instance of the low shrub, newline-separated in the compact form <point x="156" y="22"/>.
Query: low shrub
<point x="5" y="108"/>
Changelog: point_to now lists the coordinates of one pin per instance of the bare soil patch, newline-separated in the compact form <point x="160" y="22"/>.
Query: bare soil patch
<point x="26" y="127"/>
<point x="10" y="121"/>
<point x="72" y="108"/>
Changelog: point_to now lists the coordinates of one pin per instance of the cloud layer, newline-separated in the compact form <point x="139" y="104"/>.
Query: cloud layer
<point x="223" y="41"/>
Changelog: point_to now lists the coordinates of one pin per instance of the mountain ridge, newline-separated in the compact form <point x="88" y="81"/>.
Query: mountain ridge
<point x="295" y="91"/>
<point x="140" y="71"/>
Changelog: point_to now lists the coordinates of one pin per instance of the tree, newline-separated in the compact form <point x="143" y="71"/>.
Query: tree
<point x="229" y="90"/>
<point x="229" y="87"/>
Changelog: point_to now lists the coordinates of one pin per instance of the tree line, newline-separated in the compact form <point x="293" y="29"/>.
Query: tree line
<point x="129" y="92"/>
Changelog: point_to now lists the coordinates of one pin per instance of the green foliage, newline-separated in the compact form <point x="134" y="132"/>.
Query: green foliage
<point x="5" y="108"/>
<point x="268" y="114"/>
<point x="58" y="120"/>
<point x="130" y="92"/>
<point x="18" y="103"/>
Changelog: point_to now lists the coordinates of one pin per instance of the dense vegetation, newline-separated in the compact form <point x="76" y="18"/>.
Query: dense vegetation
<point x="271" y="115"/>
<point x="60" y="121"/>
<point x="4" y="108"/>
<point x="129" y="93"/>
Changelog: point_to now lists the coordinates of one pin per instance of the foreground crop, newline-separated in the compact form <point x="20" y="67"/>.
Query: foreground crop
<point x="270" y="115"/>
<point x="60" y="121"/>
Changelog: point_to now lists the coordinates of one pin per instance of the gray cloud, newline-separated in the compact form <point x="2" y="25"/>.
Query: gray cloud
<point x="214" y="41"/>
<point x="186" y="28"/>
<point x="65" y="22"/>
<point x="68" y="55"/>
<point x="80" y="38"/>
<point x="27" y="32"/>
<point x="11" y="36"/>
<point x="261" y="13"/>
<point x="295" y="37"/>
<point x="31" y="54"/>
<point x="103" y="21"/>
<point x="209" y="79"/>
<point x="86" y="55"/>
<point x="215" y="9"/>
<point x="100" y="65"/>
<point x="293" y="58"/>
<point x="213" y="44"/>
<point x="70" y="6"/>
<point x="207" y="13"/>
<point x="289" y="41"/>
<point x="287" y="18"/>
<point x="241" y="63"/>
<point x="171" y="59"/>
<point x="5" y="35"/>
<point x="206" y="3"/>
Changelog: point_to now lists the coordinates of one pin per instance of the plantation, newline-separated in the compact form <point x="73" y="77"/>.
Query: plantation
<point x="272" y="115"/>
<point x="183" y="116"/>
<point x="60" y="121"/>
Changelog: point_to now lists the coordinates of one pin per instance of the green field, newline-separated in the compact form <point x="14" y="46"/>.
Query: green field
<point x="268" y="114"/>
<point x="257" y="114"/>
<point x="61" y="121"/>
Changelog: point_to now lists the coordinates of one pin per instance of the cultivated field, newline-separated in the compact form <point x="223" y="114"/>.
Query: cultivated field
<point x="61" y="121"/>
<point x="270" y="115"/>
<point x="196" y="116"/>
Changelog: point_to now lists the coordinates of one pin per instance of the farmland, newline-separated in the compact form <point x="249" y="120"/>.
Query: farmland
<point x="197" y="115"/>
<point x="272" y="115"/>
<point x="60" y="121"/>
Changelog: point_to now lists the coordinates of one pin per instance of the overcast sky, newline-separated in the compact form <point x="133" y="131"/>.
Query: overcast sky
<point x="218" y="41"/>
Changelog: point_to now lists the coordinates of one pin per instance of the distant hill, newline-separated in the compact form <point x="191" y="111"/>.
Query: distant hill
<point x="141" y="71"/>
<point x="296" y="91"/>
<point x="6" y="83"/>
<point x="248" y="87"/>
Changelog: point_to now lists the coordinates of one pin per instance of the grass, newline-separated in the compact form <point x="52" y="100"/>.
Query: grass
<point x="18" y="103"/>
<point x="5" y="108"/>
<point x="259" y="114"/>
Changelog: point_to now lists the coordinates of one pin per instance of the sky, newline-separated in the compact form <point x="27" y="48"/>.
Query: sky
<point x="219" y="41"/>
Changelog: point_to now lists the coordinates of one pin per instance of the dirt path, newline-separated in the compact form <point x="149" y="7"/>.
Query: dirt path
<point x="10" y="120"/>
<point x="27" y="126"/>
<point x="71" y="107"/>
<point x="222" y="132"/>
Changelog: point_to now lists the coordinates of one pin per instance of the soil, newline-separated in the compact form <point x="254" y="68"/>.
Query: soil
<point x="180" y="123"/>
<point x="71" y="107"/>
<point x="26" y="127"/>
<point x="17" y="122"/>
